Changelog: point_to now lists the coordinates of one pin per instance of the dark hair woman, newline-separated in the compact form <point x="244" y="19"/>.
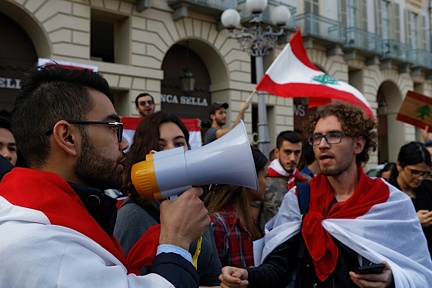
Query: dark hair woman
<point x="412" y="168"/>
<point x="387" y="170"/>
<point x="159" y="131"/>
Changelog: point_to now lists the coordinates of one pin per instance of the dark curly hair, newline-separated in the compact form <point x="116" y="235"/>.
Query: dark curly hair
<point x="354" y="122"/>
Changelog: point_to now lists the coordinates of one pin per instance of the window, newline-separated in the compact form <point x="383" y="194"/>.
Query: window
<point x="109" y="37"/>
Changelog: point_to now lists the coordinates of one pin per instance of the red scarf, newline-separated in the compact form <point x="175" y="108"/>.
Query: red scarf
<point x="293" y="178"/>
<point x="144" y="250"/>
<point x="323" y="250"/>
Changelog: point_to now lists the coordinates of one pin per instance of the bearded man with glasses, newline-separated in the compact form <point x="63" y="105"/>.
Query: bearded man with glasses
<point x="56" y="222"/>
<point x="352" y="220"/>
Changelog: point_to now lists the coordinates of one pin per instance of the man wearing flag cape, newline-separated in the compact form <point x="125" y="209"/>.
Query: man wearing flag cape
<point x="352" y="219"/>
<point x="56" y="222"/>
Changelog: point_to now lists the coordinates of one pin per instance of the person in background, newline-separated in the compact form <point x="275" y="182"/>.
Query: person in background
<point x="145" y="104"/>
<point x="235" y="225"/>
<point x="282" y="173"/>
<point x="351" y="220"/>
<point x="8" y="147"/>
<point x="311" y="168"/>
<point x="159" y="131"/>
<point x="272" y="155"/>
<point x="413" y="167"/>
<point x="387" y="170"/>
<point x="56" y="223"/>
<point x="218" y="114"/>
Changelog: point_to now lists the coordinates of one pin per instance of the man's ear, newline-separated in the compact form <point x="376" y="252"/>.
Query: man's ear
<point x="276" y="153"/>
<point x="359" y="144"/>
<point x="212" y="117"/>
<point x="66" y="136"/>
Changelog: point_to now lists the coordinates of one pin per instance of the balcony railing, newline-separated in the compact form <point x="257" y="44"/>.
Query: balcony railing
<point x="421" y="58"/>
<point x="392" y="49"/>
<point x="362" y="40"/>
<point x="210" y="7"/>
<point x="318" y="26"/>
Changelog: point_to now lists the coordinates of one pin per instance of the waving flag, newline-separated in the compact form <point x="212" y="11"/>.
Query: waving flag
<point x="292" y="75"/>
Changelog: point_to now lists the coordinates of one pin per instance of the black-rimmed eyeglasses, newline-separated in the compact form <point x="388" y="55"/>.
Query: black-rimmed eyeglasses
<point x="330" y="138"/>
<point x="416" y="173"/>
<point x="117" y="127"/>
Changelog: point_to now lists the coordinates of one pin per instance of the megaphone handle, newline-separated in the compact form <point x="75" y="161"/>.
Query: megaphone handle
<point x="172" y="198"/>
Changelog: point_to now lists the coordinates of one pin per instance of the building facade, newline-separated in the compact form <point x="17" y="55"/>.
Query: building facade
<point x="381" y="47"/>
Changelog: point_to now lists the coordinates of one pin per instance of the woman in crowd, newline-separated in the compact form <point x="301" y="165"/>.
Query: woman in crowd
<point x="387" y="170"/>
<point x="159" y="131"/>
<point x="412" y="168"/>
<point x="236" y="226"/>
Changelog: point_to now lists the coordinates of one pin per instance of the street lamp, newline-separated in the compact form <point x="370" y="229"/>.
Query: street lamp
<point x="257" y="42"/>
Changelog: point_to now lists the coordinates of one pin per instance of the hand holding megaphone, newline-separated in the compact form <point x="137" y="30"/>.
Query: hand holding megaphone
<point x="183" y="220"/>
<point x="227" y="160"/>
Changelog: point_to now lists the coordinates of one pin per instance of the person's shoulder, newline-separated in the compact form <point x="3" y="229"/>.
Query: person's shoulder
<point x="211" y="130"/>
<point x="223" y="218"/>
<point x="276" y="183"/>
<point x="134" y="214"/>
<point x="306" y="177"/>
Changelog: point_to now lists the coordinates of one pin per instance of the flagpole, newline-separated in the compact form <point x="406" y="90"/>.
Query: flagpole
<point x="263" y="130"/>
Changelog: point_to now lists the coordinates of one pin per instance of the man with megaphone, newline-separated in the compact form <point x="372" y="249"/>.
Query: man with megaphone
<point x="56" y="221"/>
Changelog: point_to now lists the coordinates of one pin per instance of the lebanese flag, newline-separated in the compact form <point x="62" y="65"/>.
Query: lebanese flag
<point x="292" y="75"/>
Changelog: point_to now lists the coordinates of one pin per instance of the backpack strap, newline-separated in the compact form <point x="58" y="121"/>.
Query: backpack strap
<point x="303" y="190"/>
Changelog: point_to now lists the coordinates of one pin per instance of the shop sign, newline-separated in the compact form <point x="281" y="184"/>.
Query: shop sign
<point x="183" y="100"/>
<point x="10" y="83"/>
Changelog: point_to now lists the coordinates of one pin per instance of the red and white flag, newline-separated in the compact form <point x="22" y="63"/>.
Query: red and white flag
<point x="292" y="75"/>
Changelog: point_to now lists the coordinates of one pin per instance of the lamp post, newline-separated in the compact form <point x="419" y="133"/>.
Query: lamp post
<point x="257" y="41"/>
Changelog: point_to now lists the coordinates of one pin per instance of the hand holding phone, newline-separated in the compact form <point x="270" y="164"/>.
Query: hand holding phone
<point x="371" y="269"/>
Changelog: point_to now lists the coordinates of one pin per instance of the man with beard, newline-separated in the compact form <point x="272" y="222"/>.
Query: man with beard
<point x="352" y="220"/>
<point x="282" y="173"/>
<point x="55" y="220"/>
<point x="217" y="112"/>
<point x="145" y="104"/>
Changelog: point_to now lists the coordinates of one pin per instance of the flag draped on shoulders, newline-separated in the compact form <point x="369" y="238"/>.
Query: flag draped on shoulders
<point x="378" y="222"/>
<point x="292" y="75"/>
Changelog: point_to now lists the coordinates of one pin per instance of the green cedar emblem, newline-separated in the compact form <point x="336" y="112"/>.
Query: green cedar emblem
<point x="423" y="111"/>
<point x="325" y="79"/>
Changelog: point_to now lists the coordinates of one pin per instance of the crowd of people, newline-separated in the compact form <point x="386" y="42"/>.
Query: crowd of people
<point x="323" y="223"/>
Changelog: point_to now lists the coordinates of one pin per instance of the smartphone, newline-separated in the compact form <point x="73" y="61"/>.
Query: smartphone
<point x="371" y="269"/>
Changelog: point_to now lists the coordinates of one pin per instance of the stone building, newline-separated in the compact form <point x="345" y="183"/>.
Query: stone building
<point x="381" y="47"/>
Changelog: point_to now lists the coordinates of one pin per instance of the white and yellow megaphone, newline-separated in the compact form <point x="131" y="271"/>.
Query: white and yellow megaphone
<point x="227" y="160"/>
